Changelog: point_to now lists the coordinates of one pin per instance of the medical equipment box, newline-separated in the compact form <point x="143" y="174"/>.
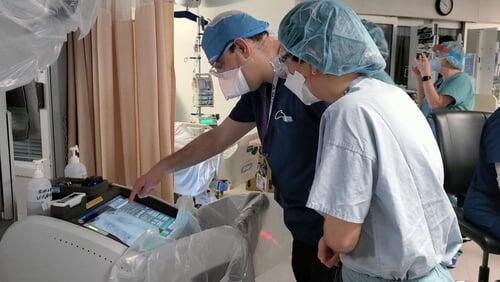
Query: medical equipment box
<point x="91" y="186"/>
<point x="69" y="206"/>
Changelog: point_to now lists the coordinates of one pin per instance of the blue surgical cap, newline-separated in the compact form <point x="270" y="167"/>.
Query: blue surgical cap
<point x="452" y="51"/>
<point x="330" y="36"/>
<point x="378" y="37"/>
<point x="227" y="27"/>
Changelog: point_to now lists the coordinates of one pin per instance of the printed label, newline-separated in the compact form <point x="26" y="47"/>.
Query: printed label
<point x="41" y="195"/>
<point x="94" y="202"/>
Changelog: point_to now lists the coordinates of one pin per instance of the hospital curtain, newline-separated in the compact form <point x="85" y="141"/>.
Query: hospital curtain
<point x="122" y="89"/>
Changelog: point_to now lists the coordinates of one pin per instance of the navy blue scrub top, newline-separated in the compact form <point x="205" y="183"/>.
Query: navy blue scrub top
<point x="290" y="143"/>
<point x="483" y="196"/>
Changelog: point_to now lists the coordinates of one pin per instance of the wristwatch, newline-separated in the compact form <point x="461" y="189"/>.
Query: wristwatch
<point x="426" y="78"/>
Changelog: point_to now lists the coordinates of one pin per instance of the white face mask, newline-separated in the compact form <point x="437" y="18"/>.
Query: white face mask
<point x="297" y="84"/>
<point x="233" y="84"/>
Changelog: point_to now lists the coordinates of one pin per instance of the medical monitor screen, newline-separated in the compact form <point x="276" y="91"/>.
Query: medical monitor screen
<point x="126" y="222"/>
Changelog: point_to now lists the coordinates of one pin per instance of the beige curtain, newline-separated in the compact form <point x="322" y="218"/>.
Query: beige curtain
<point x="122" y="90"/>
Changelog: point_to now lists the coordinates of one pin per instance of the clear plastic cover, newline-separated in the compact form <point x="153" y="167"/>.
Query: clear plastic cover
<point x="33" y="32"/>
<point x="215" y="243"/>
<point x="194" y="180"/>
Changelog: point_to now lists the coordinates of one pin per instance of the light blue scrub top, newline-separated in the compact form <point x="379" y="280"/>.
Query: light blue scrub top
<point x="378" y="165"/>
<point x="460" y="88"/>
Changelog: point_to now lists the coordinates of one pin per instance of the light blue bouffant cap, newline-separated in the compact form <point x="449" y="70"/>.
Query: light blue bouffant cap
<point x="452" y="51"/>
<point x="330" y="36"/>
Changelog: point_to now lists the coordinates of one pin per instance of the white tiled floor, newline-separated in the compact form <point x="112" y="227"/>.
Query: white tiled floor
<point x="469" y="262"/>
<point x="467" y="268"/>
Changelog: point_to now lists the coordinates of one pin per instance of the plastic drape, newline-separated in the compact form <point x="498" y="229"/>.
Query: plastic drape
<point x="194" y="180"/>
<point x="221" y="251"/>
<point x="33" y="31"/>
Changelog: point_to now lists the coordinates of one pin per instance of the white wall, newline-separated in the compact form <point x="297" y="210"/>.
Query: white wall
<point x="184" y="37"/>
<point x="489" y="11"/>
<point x="464" y="10"/>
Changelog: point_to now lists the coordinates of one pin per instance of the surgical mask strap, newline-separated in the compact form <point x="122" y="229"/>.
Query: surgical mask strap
<point x="273" y="96"/>
<point x="270" y="109"/>
<point x="274" y="67"/>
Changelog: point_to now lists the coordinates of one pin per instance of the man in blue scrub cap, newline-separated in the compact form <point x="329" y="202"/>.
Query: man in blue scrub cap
<point x="379" y="174"/>
<point x="244" y="59"/>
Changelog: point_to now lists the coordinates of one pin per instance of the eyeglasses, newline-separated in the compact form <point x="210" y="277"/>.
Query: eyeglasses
<point x="217" y="71"/>
<point x="284" y="56"/>
<point x="217" y="68"/>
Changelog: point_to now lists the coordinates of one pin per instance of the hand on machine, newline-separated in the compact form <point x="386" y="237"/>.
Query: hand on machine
<point x="146" y="184"/>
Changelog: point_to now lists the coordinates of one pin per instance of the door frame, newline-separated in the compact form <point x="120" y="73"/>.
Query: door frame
<point x="26" y="169"/>
<point x="7" y="196"/>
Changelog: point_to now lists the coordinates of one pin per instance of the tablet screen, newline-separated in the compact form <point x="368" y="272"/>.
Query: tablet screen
<point x="126" y="222"/>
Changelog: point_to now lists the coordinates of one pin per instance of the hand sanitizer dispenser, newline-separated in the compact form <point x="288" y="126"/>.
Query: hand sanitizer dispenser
<point x="75" y="169"/>
<point x="39" y="191"/>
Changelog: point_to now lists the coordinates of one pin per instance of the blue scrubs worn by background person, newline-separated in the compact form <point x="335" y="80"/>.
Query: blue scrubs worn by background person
<point x="280" y="117"/>
<point x="379" y="174"/>
<point x="482" y="203"/>
<point x="454" y="91"/>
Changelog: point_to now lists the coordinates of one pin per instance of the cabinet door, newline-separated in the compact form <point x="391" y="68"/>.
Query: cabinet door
<point x="486" y="60"/>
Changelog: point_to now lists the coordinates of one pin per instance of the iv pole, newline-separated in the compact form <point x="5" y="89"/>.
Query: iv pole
<point x="201" y="23"/>
<point x="198" y="55"/>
